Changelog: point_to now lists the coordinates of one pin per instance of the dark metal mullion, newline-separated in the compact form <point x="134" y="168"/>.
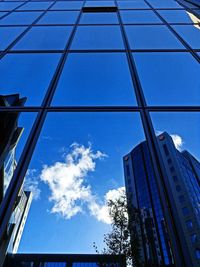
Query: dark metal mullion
<point x="98" y="24"/>
<point x="101" y="108"/>
<point x="183" y="42"/>
<point x="154" y="150"/>
<point x="24" y="32"/>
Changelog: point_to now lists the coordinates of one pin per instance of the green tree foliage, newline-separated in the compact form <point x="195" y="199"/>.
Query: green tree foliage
<point x="123" y="237"/>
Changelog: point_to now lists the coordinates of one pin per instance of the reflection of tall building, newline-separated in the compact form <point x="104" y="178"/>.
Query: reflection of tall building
<point x="9" y="136"/>
<point x="182" y="180"/>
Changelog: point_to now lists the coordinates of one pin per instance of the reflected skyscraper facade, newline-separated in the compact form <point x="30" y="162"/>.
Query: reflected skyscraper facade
<point x="182" y="182"/>
<point x="9" y="136"/>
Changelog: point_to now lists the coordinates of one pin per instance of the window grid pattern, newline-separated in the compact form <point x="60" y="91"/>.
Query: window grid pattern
<point x="11" y="16"/>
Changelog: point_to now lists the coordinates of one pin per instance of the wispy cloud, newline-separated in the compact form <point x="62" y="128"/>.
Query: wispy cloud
<point x="32" y="183"/>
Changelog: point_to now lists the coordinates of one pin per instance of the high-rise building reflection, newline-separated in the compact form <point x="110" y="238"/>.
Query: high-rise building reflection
<point x="182" y="182"/>
<point x="9" y="137"/>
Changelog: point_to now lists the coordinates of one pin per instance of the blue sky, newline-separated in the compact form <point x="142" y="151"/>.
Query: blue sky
<point x="105" y="138"/>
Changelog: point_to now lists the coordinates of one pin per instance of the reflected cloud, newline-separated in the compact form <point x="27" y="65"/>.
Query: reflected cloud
<point x="31" y="183"/>
<point x="70" y="191"/>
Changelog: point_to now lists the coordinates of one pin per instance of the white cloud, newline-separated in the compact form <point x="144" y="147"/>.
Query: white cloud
<point x="70" y="192"/>
<point x="101" y="211"/>
<point x="178" y="141"/>
<point x="31" y="183"/>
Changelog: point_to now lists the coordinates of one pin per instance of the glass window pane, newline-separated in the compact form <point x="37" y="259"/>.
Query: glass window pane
<point x="8" y="35"/>
<point x="165" y="78"/>
<point x="35" y="6"/>
<point x="2" y="14"/>
<point x="99" y="18"/>
<point x="132" y="4"/>
<point x="20" y="18"/>
<point x="97" y="163"/>
<point x="67" y="5"/>
<point x="7" y="6"/>
<point x="59" y="17"/>
<point x="190" y="33"/>
<point x="22" y="73"/>
<point x="98" y="37"/>
<point x="45" y="37"/>
<point x="139" y="16"/>
<point x="176" y="16"/>
<point x="172" y="123"/>
<point x="99" y="3"/>
<point x="152" y="37"/>
<point x="164" y="4"/>
<point x="103" y="79"/>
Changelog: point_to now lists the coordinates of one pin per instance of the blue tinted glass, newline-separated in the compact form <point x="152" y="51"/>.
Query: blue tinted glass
<point x="20" y="18"/>
<point x="2" y="14"/>
<point x="95" y="79"/>
<point x="8" y="35"/>
<point x="176" y="16"/>
<point x="132" y="4"/>
<point x="164" y="4"/>
<point x="68" y="5"/>
<point x="59" y="17"/>
<point x="139" y="16"/>
<point x="44" y="37"/>
<point x="98" y="37"/>
<point x="190" y="33"/>
<point x="21" y="73"/>
<point x="35" y="6"/>
<point x="99" y="18"/>
<point x="152" y="37"/>
<point x="99" y="3"/>
<point x="7" y="6"/>
<point x="169" y="78"/>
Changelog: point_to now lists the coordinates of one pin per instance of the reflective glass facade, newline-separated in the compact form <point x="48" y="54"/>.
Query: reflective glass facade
<point x="99" y="76"/>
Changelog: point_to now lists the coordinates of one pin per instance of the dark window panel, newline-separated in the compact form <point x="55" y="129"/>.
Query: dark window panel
<point x="98" y="37"/>
<point x="152" y="37"/>
<point x="45" y="38"/>
<point x="105" y="81"/>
